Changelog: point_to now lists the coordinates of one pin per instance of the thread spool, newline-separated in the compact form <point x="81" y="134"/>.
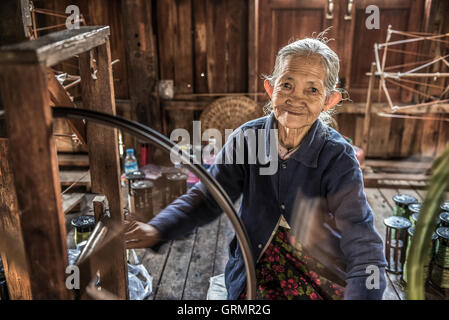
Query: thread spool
<point x="402" y="201"/>
<point x="414" y="210"/>
<point x="445" y="206"/>
<point x="440" y="268"/>
<point x="428" y="261"/>
<point x="84" y="225"/>
<point x="415" y="216"/>
<point x="396" y="243"/>
<point x="177" y="184"/>
<point x="444" y="219"/>
<point x="4" y="294"/>
<point x="142" y="200"/>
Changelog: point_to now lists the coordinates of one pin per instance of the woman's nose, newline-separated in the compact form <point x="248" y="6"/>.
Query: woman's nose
<point x="294" y="99"/>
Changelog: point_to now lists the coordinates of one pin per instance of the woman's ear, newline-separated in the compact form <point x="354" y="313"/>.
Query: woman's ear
<point x="268" y="88"/>
<point x="332" y="100"/>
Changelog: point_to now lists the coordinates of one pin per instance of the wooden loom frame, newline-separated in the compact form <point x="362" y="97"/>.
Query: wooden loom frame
<point x="33" y="235"/>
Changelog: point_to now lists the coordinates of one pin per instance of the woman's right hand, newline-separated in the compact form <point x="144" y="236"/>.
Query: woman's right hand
<point x="140" y="235"/>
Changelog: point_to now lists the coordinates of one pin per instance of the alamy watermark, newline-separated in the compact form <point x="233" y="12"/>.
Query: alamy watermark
<point x="373" y="280"/>
<point x="373" y="20"/>
<point x="247" y="146"/>
<point x="72" y="282"/>
<point x="73" y="20"/>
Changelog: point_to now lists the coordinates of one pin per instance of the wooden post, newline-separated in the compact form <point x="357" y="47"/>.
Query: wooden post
<point x="34" y="163"/>
<point x="11" y="241"/>
<point x="367" y="120"/>
<point x="98" y="94"/>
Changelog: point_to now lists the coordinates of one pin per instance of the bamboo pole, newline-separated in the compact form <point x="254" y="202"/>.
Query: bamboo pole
<point x="410" y="89"/>
<point x="410" y="52"/>
<point x="401" y="116"/>
<point x="407" y="64"/>
<point x="367" y="120"/>
<point x="384" y="58"/>
<point x="415" y="75"/>
<point x="427" y="64"/>
<point x="433" y="38"/>
<point x="422" y="83"/>
<point x="396" y="108"/>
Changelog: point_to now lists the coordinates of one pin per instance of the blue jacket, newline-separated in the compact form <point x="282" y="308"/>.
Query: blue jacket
<point x="340" y="231"/>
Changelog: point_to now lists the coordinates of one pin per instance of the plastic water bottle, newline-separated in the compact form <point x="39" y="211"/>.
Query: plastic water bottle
<point x="130" y="162"/>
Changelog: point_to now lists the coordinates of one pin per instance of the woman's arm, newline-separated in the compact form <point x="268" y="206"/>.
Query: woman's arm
<point x="197" y="207"/>
<point x="361" y="244"/>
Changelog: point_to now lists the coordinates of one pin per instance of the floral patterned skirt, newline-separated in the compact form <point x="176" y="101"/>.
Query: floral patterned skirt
<point x="287" y="272"/>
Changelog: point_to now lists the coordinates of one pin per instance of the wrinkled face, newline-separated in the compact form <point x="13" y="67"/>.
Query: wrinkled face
<point x="299" y="94"/>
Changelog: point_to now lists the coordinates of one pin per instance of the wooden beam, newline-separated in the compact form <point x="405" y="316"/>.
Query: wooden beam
<point x="11" y="240"/>
<point x="55" y="47"/>
<point x="34" y="163"/>
<point x="61" y="98"/>
<point x="73" y="160"/>
<point x="98" y="94"/>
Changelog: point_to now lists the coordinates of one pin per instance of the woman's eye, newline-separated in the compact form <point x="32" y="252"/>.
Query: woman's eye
<point x="314" y="90"/>
<point x="286" y="85"/>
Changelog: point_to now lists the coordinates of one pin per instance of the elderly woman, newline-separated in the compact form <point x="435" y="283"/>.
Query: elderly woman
<point x="314" y="161"/>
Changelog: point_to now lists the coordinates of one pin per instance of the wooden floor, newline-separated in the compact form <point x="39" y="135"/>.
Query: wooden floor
<point x="182" y="268"/>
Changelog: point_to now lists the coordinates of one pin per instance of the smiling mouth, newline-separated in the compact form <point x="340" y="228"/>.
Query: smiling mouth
<point x="300" y="112"/>
<point x="294" y="113"/>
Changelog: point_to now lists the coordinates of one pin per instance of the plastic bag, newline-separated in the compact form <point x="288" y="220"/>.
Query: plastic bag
<point x="140" y="282"/>
<point x="74" y="253"/>
<point x="217" y="288"/>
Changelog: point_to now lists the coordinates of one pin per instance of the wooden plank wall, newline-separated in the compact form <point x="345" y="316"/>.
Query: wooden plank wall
<point x="203" y="46"/>
<point x="392" y="138"/>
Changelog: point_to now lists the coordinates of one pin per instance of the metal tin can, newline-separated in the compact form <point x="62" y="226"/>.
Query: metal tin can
<point x="142" y="195"/>
<point x="402" y="201"/>
<point x="84" y="225"/>
<point x="177" y="184"/>
<point x="133" y="177"/>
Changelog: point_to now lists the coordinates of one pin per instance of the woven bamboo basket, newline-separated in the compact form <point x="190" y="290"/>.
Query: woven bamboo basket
<point x="229" y="113"/>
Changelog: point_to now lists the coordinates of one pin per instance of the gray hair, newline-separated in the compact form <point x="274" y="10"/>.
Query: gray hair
<point x="303" y="48"/>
